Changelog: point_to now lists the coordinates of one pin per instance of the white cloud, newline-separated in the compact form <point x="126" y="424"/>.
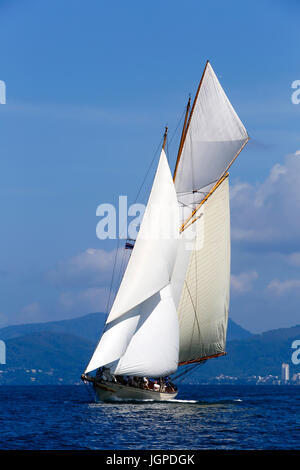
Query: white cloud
<point x="267" y="213"/>
<point x="243" y="282"/>
<point x="31" y="313"/>
<point x="293" y="259"/>
<point x="240" y="190"/>
<point x="283" y="287"/>
<point x="87" y="300"/>
<point x="91" y="268"/>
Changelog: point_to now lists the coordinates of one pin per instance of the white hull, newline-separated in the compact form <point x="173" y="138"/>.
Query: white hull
<point x="108" y="391"/>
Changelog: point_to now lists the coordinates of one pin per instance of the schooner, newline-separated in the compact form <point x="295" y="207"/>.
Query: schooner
<point x="171" y="308"/>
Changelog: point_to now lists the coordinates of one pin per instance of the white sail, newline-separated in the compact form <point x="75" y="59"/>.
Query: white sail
<point x="172" y="304"/>
<point x="143" y="315"/>
<point x="143" y="342"/>
<point x="154" y="347"/>
<point x="153" y="256"/>
<point x="200" y="283"/>
<point x="202" y="276"/>
<point x="115" y="339"/>
<point x="214" y="137"/>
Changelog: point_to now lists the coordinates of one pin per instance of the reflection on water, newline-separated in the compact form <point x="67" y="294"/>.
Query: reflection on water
<point x="177" y="423"/>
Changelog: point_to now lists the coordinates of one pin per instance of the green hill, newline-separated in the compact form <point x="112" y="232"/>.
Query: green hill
<point x="89" y="327"/>
<point x="259" y="355"/>
<point x="45" y="358"/>
<point x="57" y="352"/>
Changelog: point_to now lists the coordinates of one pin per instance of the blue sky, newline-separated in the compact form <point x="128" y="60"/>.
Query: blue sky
<point x="90" y="87"/>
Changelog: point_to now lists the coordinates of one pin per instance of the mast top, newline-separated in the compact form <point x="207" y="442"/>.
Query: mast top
<point x="165" y="137"/>
<point x="182" y="136"/>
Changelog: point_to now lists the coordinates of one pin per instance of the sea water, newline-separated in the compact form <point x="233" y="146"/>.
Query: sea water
<point x="201" y="417"/>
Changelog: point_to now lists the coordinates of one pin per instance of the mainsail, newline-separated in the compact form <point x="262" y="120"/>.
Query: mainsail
<point x="203" y="269"/>
<point x="213" y="137"/>
<point x="141" y="336"/>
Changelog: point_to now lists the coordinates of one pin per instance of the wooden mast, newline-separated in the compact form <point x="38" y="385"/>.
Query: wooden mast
<point x="182" y="136"/>
<point x="193" y="217"/>
<point x="189" y="121"/>
<point x="165" y="137"/>
<point x="182" y="140"/>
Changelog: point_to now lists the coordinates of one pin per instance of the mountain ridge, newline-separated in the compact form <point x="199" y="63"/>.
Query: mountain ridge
<point x="58" y="352"/>
<point x="90" y="326"/>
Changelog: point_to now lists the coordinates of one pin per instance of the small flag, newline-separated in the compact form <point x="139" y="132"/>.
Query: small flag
<point x="129" y="245"/>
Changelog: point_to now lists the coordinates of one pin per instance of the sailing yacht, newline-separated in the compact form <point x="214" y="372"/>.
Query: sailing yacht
<point x="171" y="308"/>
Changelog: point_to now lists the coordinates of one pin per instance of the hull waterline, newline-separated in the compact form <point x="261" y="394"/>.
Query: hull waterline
<point x="107" y="391"/>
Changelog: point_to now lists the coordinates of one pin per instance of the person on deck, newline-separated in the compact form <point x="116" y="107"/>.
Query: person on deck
<point x="162" y="384"/>
<point x="106" y="374"/>
<point x="145" y="383"/>
<point x="156" y="386"/>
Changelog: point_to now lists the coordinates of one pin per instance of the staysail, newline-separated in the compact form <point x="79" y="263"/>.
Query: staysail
<point x="141" y="336"/>
<point x="154" y="253"/>
<point x="213" y="137"/>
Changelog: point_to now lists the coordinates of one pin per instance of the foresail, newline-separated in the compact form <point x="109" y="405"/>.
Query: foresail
<point x="154" y="347"/>
<point x="143" y="342"/>
<point x="115" y="339"/>
<point x="137" y="333"/>
<point x="202" y="276"/>
<point x="151" y="263"/>
<point x="215" y="135"/>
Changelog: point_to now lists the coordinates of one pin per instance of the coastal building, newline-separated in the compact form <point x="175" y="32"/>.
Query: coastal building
<point x="296" y="378"/>
<point x="285" y="372"/>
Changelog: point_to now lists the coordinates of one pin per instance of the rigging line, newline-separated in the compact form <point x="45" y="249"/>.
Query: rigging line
<point x="193" y="221"/>
<point x="195" y="313"/>
<point x="149" y="168"/>
<point x="137" y="196"/>
<point x="199" y="189"/>
<point x="122" y="267"/>
<point x="167" y="150"/>
<point x="189" y="120"/>
<point x="112" y="278"/>
<point x="175" y="377"/>
<point x="188" y="370"/>
<point x="156" y="152"/>
<point x="196" y="269"/>
<point x="191" y="370"/>
<point x="182" y="138"/>
<point x="183" y="204"/>
<point x="192" y="166"/>
<point x="121" y="270"/>
<point x="176" y="129"/>
<point x="196" y="275"/>
<point x="118" y="244"/>
<point x="183" y="117"/>
<point x="222" y="178"/>
<point x="220" y="181"/>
